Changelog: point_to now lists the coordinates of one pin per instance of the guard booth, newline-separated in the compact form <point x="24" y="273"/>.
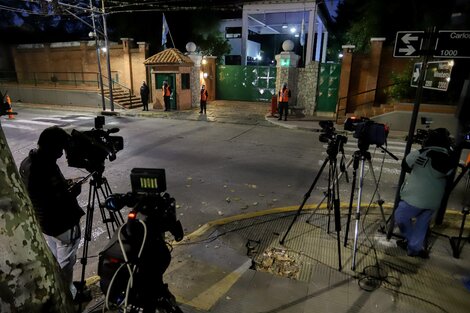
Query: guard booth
<point x="174" y="67"/>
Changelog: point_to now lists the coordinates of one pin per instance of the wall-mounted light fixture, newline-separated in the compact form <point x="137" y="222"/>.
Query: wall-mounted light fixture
<point x="205" y="75"/>
<point x="293" y="30"/>
<point x="204" y="61"/>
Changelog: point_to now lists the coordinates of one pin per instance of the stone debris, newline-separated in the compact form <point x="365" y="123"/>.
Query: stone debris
<point x="278" y="262"/>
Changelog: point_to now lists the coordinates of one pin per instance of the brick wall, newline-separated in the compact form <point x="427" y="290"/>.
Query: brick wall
<point x="81" y="57"/>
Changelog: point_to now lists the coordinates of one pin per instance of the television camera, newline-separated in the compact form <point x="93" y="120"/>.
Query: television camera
<point x="367" y="132"/>
<point x="89" y="149"/>
<point x="328" y="135"/>
<point x="422" y="134"/>
<point x="131" y="266"/>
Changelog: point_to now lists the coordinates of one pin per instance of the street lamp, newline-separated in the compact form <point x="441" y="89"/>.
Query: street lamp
<point x="106" y="43"/>
<point x="98" y="59"/>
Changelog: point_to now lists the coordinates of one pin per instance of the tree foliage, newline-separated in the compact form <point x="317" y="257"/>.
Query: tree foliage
<point x="29" y="275"/>
<point x="205" y="33"/>
<point x="357" y="20"/>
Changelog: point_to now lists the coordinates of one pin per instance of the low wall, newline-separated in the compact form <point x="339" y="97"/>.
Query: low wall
<point x="400" y="120"/>
<point x="53" y="96"/>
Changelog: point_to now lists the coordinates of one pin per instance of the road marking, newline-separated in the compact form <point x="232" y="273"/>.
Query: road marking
<point x="17" y="126"/>
<point x="51" y="118"/>
<point x="35" y="122"/>
<point x="207" y="299"/>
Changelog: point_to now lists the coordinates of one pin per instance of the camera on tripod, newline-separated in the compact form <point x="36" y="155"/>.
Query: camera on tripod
<point x="328" y="133"/>
<point x="89" y="149"/>
<point x="367" y="131"/>
<point x="138" y="255"/>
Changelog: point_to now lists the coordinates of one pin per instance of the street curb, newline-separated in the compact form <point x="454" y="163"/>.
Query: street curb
<point x="226" y="220"/>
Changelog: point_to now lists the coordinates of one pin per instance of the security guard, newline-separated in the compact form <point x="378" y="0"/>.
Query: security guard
<point x="166" y="95"/>
<point x="284" y="95"/>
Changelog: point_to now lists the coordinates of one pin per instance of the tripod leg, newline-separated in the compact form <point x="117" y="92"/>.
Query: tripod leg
<point x="306" y="196"/>
<point x="336" y="181"/>
<point x="336" y="208"/>
<point x="379" y="201"/>
<point x="358" y="213"/>
<point x="86" y="239"/>
<point x="456" y="242"/>
<point x="351" y="198"/>
<point x="329" y="194"/>
<point x="116" y="216"/>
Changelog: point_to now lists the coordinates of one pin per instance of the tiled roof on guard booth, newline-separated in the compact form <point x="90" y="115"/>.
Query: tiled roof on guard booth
<point x="169" y="56"/>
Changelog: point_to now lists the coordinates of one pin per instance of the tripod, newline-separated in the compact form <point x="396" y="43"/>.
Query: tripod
<point x="98" y="192"/>
<point x="456" y="242"/>
<point x="335" y="146"/>
<point x="361" y="156"/>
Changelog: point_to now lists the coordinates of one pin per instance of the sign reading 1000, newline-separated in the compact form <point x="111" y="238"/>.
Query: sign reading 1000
<point x="453" y="44"/>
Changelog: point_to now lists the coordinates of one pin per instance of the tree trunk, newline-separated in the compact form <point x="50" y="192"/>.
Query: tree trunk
<point x="29" y="274"/>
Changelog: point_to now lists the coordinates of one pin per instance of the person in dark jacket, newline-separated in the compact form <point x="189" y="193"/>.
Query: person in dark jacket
<point x="144" y="96"/>
<point x="421" y="194"/>
<point x="203" y="101"/>
<point x="54" y="199"/>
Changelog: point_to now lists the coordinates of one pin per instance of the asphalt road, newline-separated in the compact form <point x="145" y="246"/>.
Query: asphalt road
<point x="213" y="170"/>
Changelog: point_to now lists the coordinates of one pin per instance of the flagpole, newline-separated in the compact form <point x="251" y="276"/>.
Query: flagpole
<point x="171" y="37"/>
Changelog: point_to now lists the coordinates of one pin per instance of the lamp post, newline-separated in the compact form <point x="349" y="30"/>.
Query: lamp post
<point x="93" y="35"/>
<point x="107" y="56"/>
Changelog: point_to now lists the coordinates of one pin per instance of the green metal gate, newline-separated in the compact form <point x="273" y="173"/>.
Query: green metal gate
<point x="328" y="85"/>
<point x="246" y="83"/>
<point x="171" y="79"/>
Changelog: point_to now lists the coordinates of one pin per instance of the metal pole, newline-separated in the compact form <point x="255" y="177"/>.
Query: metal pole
<point x="100" y="78"/>
<point x="419" y="93"/>
<point x="107" y="57"/>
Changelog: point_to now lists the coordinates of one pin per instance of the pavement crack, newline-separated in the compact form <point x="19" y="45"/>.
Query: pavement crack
<point x="242" y="133"/>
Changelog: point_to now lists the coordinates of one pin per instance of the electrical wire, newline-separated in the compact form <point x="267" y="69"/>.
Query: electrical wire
<point x="127" y="264"/>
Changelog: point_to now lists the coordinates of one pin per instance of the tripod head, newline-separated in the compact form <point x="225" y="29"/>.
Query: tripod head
<point x="335" y="142"/>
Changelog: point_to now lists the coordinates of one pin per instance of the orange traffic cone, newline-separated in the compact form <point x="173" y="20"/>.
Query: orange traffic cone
<point x="8" y="100"/>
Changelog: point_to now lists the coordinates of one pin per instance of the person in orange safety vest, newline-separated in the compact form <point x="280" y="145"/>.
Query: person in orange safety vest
<point x="283" y="96"/>
<point x="166" y="95"/>
<point x="204" y="96"/>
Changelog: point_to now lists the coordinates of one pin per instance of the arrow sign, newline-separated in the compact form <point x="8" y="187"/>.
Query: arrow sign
<point x="409" y="50"/>
<point x="416" y="72"/>
<point x="409" y="37"/>
<point x="437" y="76"/>
<point x="408" y="44"/>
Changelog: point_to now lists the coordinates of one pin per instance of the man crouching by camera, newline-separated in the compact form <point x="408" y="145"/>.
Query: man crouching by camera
<point x="422" y="192"/>
<point x="54" y="199"/>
